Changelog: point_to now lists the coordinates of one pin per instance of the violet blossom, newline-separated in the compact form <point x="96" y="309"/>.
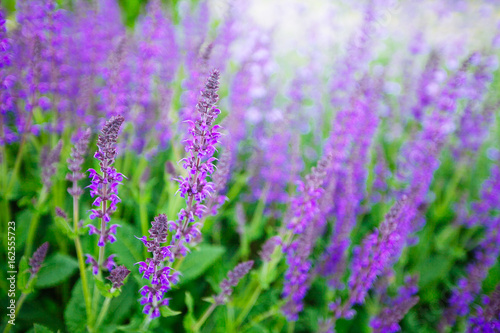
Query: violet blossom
<point x="200" y="147"/>
<point x="161" y="277"/>
<point x="104" y="187"/>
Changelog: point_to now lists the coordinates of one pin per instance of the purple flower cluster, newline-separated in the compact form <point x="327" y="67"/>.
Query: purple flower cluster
<point x="200" y="148"/>
<point x="220" y="179"/>
<point x="75" y="163"/>
<point x="48" y="162"/>
<point x="371" y="257"/>
<point x="387" y="321"/>
<point x="162" y="277"/>
<point x="233" y="278"/>
<point x="485" y="255"/>
<point x="487" y="317"/>
<point x="104" y="186"/>
<point x="38" y="257"/>
<point x="303" y="220"/>
<point x="118" y="276"/>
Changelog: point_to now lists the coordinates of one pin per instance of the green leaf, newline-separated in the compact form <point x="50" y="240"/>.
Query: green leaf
<point x="208" y="299"/>
<point x="127" y="248"/>
<point x="64" y="227"/>
<point x="23" y="275"/>
<point x="199" y="261"/>
<point x="41" y="329"/>
<point x="121" y="306"/>
<point x="105" y="289"/>
<point x="168" y="312"/>
<point x="75" y="315"/>
<point x="55" y="270"/>
<point x="188" y="321"/>
<point x="189" y="301"/>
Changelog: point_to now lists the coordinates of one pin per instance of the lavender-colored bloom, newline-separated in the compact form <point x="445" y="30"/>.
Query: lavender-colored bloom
<point x="117" y="276"/>
<point x="303" y="219"/>
<point x="7" y="81"/>
<point x="48" y="161"/>
<point x="220" y="178"/>
<point x="61" y="213"/>
<point x="372" y="256"/>
<point x="75" y="163"/>
<point x="274" y="164"/>
<point x="233" y="278"/>
<point x="395" y="309"/>
<point x="93" y="263"/>
<point x="200" y="147"/>
<point x="485" y="255"/>
<point x="427" y="88"/>
<point x="105" y="185"/>
<point x="350" y="141"/>
<point x="162" y="278"/>
<point x="487" y="317"/>
<point x="38" y="257"/>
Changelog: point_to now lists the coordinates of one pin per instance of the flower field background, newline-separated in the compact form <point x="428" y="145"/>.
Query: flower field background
<point x="250" y="166"/>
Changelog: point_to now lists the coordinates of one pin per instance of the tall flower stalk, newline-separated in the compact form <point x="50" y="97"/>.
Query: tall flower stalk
<point x="195" y="187"/>
<point x="161" y="277"/>
<point x="104" y="187"/>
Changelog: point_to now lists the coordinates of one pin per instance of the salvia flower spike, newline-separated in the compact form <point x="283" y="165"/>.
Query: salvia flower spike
<point x="75" y="163"/>
<point x="104" y="187"/>
<point x="38" y="257"/>
<point x="233" y="278"/>
<point x="161" y="277"/>
<point x="200" y="147"/>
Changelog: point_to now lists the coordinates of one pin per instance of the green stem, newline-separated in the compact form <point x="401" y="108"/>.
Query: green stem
<point x="257" y="319"/>
<point x="143" y="213"/>
<point x="81" y="262"/>
<point x="35" y="219"/>
<point x="249" y="305"/>
<point x="451" y="189"/>
<point x="102" y="314"/>
<point x="291" y="327"/>
<point x="204" y="317"/>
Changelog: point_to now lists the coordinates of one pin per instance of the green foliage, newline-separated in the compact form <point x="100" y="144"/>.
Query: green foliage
<point x="199" y="260"/>
<point x="75" y="316"/>
<point x="56" y="269"/>
<point x="41" y="329"/>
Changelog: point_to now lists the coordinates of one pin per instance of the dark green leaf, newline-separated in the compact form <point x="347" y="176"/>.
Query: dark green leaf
<point x="41" y="329"/>
<point x="55" y="270"/>
<point x="199" y="261"/>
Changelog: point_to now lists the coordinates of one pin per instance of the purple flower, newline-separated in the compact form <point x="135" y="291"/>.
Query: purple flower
<point x="117" y="276"/>
<point x="395" y="309"/>
<point x="48" y="161"/>
<point x="220" y="178"/>
<point x="200" y="147"/>
<point x="487" y="317"/>
<point x="104" y="186"/>
<point x="303" y="220"/>
<point x="373" y="255"/>
<point x="233" y="278"/>
<point x="485" y="255"/>
<point x="162" y="278"/>
<point x="75" y="163"/>
<point x="38" y="257"/>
